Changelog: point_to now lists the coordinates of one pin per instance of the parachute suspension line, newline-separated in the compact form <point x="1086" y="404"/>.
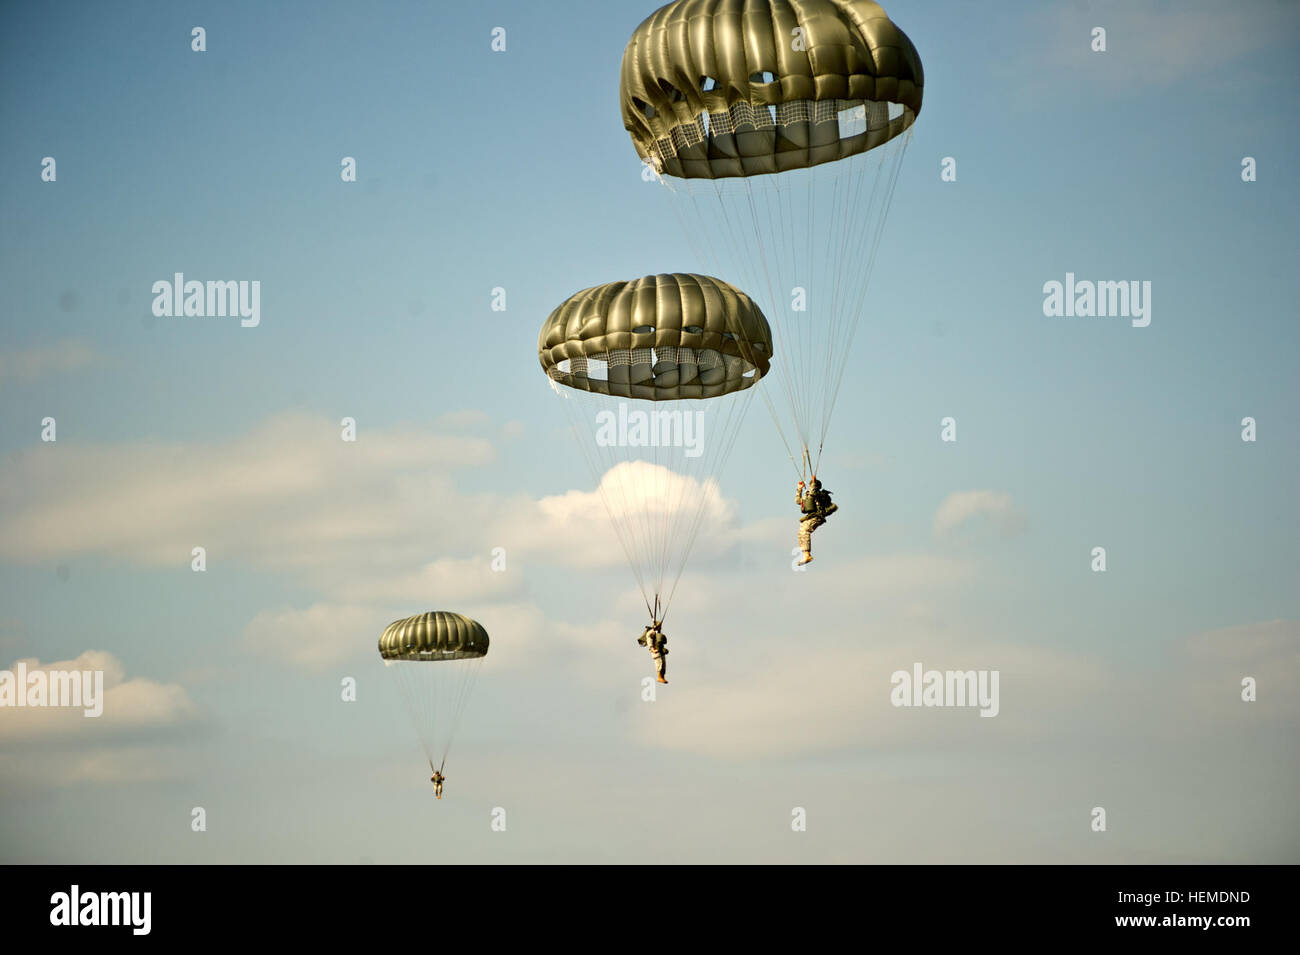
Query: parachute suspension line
<point x="723" y="435"/>
<point x="817" y="356"/>
<point x="767" y="274"/>
<point x="633" y="518"/>
<point x="883" y="186"/>
<point x="630" y="521"/>
<point x="808" y="270"/>
<point x="435" y="700"/>
<point x="650" y="508"/>
<point x="829" y="280"/>
<point x="416" y="704"/>
<point x="803" y="342"/>
<point x="779" y="307"/>
<point x="672" y="511"/>
<point x="623" y="525"/>
<point x="598" y="471"/>
<point x="799" y="274"/>
<point x="687" y="520"/>
<point x="776" y="195"/>
<point x="729" y="433"/>
<point x="771" y="212"/>
<point x="828" y="290"/>
<point x="739" y="242"/>
<point x="788" y="452"/>
<point x="725" y="254"/>
<point x="837" y="317"/>
<point x="739" y="245"/>
<point x="731" y="250"/>
<point x="468" y="677"/>
<point x="674" y="508"/>
<point x="738" y="239"/>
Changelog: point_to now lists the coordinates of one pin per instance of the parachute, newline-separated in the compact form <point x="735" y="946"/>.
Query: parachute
<point x="435" y="659"/>
<point x="656" y="375"/>
<point x="778" y="127"/>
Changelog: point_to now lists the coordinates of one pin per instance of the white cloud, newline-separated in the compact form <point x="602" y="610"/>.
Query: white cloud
<point x="962" y="507"/>
<point x="469" y="578"/>
<point x="123" y="764"/>
<point x="378" y="529"/>
<point x="807" y="670"/>
<point x="289" y="495"/>
<point x="1209" y="668"/>
<point x="352" y="519"/>
<point x="466" y="419"/>
<point x="26" y="364"/>
<point x="131" y="707"/>
<point x="648" y="503"/>
<point x="318" y="637"/>
<point x="642" y="491"/>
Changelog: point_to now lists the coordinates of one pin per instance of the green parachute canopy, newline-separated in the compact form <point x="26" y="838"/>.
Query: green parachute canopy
<point x="659" y="338"/>
<point x="778" y="129"/>
<point x="435" y="659"/>
<point x="655" y="375"/>
<point x="437" y="635"/>
<point x="719" y="88"/>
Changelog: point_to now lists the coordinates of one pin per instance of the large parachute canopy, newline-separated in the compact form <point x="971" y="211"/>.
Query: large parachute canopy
<point x="435" y="658"/>
<point x="433" y="637"/>
<point x="656" y="374"/>
<point x="779" y="127"/>
<point x="659" y="338"/>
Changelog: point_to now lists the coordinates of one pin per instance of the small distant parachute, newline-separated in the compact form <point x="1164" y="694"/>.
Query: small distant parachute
<point x="657" y="374"/>
<point x="435" y="658"/>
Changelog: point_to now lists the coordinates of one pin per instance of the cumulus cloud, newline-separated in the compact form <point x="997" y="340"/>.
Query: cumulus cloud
<point x="815" y="697"/>
<point x="378" y="529"/>
<point x="131" y="707"/>
<point x="289" y="495"/>
<point x="963" y="507"/>
<point x="465" y="419"/>
<point x="468" y="578"/>
<point x="26" y="364"/>
<point x="352" y="519"/>
<point x="651" y="506"/>
<point x="1211" y="666"/>
<point x="316" y="637"/>
<point x="775" y="682"/>
<point x="642" y="491"/>
<point x="129" y="764"/>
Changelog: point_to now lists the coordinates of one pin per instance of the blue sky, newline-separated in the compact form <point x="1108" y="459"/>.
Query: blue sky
<point x="480" y="170"/>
